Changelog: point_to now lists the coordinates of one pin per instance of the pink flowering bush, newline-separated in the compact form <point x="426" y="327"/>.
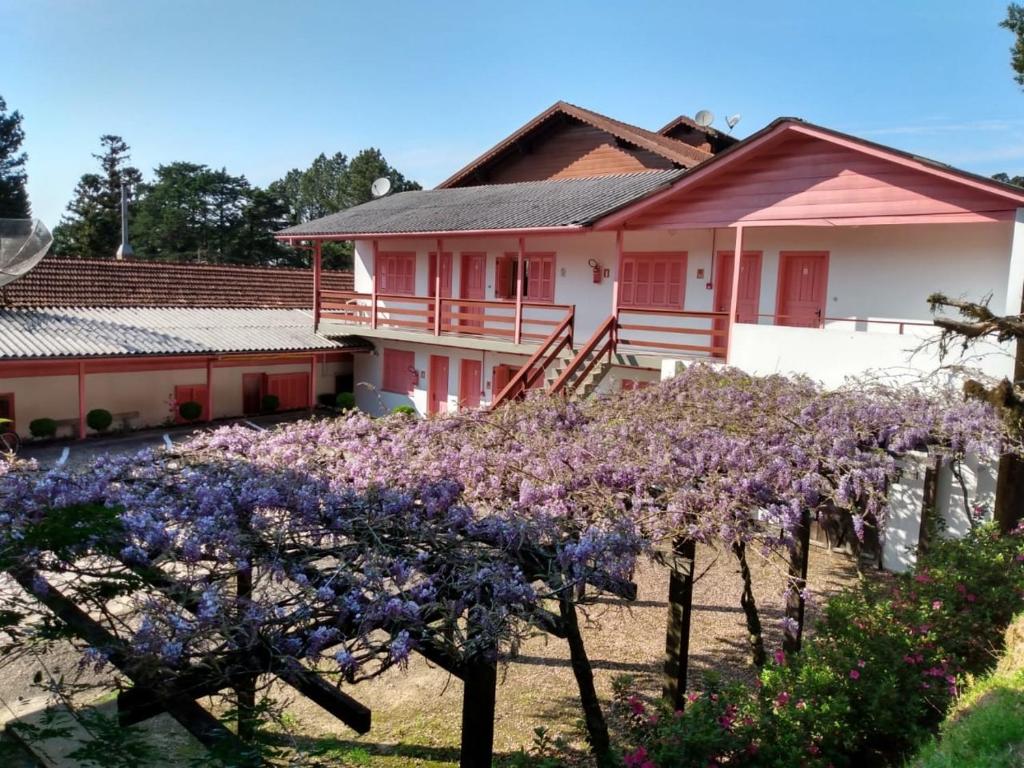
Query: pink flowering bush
<point x="875" y="678"/>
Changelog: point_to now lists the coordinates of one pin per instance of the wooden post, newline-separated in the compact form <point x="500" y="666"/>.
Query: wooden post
<point x="734" y="297"/>
<point x="312" y="382"/>
<point x="317" y="280"/>
<point x="520" y="261"/>
<point x="797" y="582"/>
<point x="437" y="288"/>
<point x="680" y="608"/>
<point x="616" y="288"/>
<point x="373" y="285"/>
<point x="81" y="400"/>
<point x="209" y="389"/>
<point x="478" y="696"/>
<point x="929" y="495"/>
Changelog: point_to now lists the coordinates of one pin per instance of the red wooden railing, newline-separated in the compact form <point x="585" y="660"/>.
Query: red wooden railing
<point x="447" y="316"/>
<point x="670" y="335"/>
<point x="536" y="367"/>
<point x="795" y="321"/>
<point x="602" y="342"/>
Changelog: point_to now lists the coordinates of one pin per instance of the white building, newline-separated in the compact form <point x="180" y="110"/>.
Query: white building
<point x="796" y="250"/>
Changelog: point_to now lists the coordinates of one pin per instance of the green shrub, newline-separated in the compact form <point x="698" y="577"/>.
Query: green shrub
<point x="986" y="727"/>
<point x="42" y="428"/>
<point x="405" y="410"/>
<point x="190" y="410"/>
<point x="345" y="401"/>
<point x="99" y="419"/>
<point x="885" y="662"/>
<point x="270" y="403"/>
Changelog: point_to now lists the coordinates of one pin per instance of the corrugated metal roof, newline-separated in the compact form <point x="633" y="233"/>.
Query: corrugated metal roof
<point x="526" y="205"/>
<point x="93" y="332"/>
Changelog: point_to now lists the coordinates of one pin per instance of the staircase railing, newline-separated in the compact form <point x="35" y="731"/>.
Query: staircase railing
<point x="601" y="343"/>
<point x="539" y="361"/>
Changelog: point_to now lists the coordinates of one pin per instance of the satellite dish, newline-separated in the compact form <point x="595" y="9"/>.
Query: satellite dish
<point x="731" y="120"/>
<point x="23" y="242"/>
<point x="704" y="118"/>
<point x="380" y="187"/>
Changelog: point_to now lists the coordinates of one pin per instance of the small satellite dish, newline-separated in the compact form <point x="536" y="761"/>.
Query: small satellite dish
<point x="731" y="120"/>
<point x="23" y="242"/>
<point x="380" y="187"/>
<point x="704" y="118"/>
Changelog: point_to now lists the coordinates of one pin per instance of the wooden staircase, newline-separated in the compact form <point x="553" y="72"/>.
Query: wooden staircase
<point x="553" y="349"/>
<point x="581" y="375"/>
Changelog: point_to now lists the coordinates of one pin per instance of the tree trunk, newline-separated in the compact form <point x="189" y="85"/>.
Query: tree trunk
<point x="597" y="727"/>
<point x="755" y="637"/>
<point x="798" y="558"/>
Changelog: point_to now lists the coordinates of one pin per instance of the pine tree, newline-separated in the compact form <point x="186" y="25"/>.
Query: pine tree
<point x="13" y="194"/>
<point x="91" y="228"/>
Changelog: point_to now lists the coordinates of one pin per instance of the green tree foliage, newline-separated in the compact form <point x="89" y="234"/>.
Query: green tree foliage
<point x="1014" y="22"/>
<point x="1008" y="179"/>
<point x="91" y="228"/>
<point x="334" y="183"/>
<point x="13" y="194"/>
<point x="191" y="212"/>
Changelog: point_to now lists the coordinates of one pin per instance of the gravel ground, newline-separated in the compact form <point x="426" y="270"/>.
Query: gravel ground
<point x="416" y="712"/>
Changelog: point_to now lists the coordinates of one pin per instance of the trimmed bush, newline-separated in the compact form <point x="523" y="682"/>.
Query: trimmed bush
<point x="346" y="401"/>
<point x="42" y="428"/>
<point x="270" y="403"/>
<point x="190" y="410"/>
<point x="404" y="410"/>
<point x="99" y="419"/>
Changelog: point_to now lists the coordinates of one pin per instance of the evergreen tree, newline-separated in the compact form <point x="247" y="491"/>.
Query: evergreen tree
<point x="332" y="184"/>
<point x="1014" y="22"/>
<point x="91" y="228"/>
<point x="13" y="194"/>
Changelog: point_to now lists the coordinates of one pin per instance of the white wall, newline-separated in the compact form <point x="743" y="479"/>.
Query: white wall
<point x="146" y="393"/>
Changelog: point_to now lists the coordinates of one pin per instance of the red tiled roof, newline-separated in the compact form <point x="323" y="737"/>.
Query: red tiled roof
<point x="56" y="282"/>
<point x="679" y="152"/>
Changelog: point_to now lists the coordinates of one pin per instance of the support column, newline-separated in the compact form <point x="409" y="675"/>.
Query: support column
<point x="312" y="382"/>
<point x="520" y="260"/>
<point x="437" y="286"/>
<point x="317" y="282"/>
<point x="734" y="297"/>
<point x="81" y="400"/>
<point x="620" y="247"/>
<point x="209" y="389"/>
<point x="373" y="286"/>
<point x="680" y="609"/>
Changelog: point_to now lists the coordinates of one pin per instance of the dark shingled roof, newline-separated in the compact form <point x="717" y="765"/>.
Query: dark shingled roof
<point x="59" y="282"/>
<point x="526" y="205"/>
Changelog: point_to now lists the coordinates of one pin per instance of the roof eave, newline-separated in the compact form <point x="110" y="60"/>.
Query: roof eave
<point x="570" y="229"/>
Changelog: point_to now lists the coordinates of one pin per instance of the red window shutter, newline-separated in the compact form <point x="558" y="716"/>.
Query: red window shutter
<point x="503" y="283"/>
<point x="399" y="371"/>
<point x="500" y="377"/>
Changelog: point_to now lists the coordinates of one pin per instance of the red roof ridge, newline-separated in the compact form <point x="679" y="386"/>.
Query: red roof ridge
<point x="663" y="146"/>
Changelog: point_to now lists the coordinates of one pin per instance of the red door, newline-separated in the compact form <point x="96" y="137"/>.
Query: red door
<point x="470" y="383"/>
<point x="292" y="390"/>
<point x="750" y="289"/>
<point x="252" y="392"/>
<point x="186" y="393"/>
<point x="437" y="385"/>
<point x="473" y="285"/>
<point x="803" y="279"/>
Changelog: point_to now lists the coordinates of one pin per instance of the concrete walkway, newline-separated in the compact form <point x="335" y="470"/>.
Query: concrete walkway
<point x="74" y="453"/>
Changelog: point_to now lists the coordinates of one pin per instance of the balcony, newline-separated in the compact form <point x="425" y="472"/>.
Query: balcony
<point x="447" y="319"/>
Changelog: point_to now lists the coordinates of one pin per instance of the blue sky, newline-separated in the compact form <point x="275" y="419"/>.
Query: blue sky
<point x="261" y="87"/>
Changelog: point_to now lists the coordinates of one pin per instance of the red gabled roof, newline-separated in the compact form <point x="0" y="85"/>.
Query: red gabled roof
<point x="61" y="282"/>
<point x="677" y="152"/>
<point x="728" y="189"/>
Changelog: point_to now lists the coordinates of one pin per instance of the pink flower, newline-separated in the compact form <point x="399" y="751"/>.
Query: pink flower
<point x="636" y="705"/>
<point x="636" y="759"/>
<point x="936" y="605"/>
<point x="861" y="663"/>
<point x="854" y="674"/>
<point x="780" y="657"/>
<point x="971" y="598"/>
<point x="782" y="699"/>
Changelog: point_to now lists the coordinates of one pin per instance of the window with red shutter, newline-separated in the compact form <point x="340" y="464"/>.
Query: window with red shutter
<point x="399" y="373"/>
<point x="653" y="280"/>
<point x="538" y="276"/>
<point x="396" y="273"/>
